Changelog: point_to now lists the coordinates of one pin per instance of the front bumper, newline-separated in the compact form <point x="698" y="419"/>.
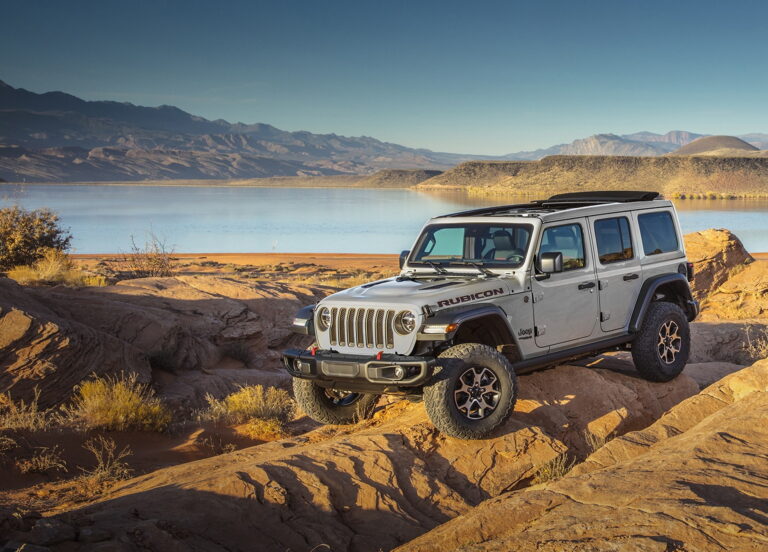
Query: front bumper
<point x="389" y="370"/>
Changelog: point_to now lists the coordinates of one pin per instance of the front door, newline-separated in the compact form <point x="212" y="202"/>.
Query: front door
<point x="565" y="304"/>
<point x="618" y="270"/>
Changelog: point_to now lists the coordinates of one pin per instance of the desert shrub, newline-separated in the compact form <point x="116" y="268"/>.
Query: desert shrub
<point x="25" y="235"/>
<point x="118" y="403"/>
<point x="553" y="470"/>
<point x="6" y="445"/>
<point x="216" y="445"/>
<point x="263" y="430"/>
<point x="44" y="460"/>
<point x="756" y="346"/>
<point x="23" y="415"/>
<point x="249" y="402"/>
<point x="54" y="267"/>
<point x="153" y="259"/>
<point x="109" y="461"/>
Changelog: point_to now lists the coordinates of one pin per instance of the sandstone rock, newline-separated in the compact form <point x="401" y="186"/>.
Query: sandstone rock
<point x="694" y="480"/>
<point x="50" y="531"/>
<point x="726" y="341"/>
<point x="743" y="296"/>
<point x="93" y="534"/>
<point x="707" y="373"/>
<point x="716" y="254"/>
<point x="385" y="481"/>
<point x="16" y="546"/>
<point x="42" y="350"/>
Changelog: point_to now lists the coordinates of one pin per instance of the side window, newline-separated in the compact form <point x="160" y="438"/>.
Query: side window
<point x="658" y="233"/>
<point x="568" y="240"/>
<point x="614" y="241"/>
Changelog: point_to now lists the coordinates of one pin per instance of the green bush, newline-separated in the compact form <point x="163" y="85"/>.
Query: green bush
<point x="26" y="235"/>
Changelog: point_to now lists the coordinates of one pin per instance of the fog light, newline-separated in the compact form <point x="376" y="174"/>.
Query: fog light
<point x="297" y="365"/>
<point x="399" y="372"/>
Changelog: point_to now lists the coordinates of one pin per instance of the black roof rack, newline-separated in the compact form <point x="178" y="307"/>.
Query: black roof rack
<point x="621" y="196"/>
<point x="561" y="202"/>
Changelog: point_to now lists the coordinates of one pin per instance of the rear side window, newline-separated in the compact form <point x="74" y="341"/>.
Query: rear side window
<point x="658" y="233"/>
<point x="569" y="241"/>
<point x="614" y="242"/>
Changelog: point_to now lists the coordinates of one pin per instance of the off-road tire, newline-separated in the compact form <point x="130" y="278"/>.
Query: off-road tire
<point x="314" y="401"/>
<point x="646" y="346"/>
<point x="439" y="395"/>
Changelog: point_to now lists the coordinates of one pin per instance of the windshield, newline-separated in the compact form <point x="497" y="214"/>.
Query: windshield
<point x="491" y="245"/>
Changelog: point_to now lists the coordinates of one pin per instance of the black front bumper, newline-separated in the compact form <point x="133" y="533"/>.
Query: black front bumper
<point x="387" y="371"/>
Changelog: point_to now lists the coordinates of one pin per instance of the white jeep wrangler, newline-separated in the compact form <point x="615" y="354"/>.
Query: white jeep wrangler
<point x="490" y="293"/>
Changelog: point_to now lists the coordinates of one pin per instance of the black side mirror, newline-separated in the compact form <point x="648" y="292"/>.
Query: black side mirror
<point x="403" y="257"/>
<point x="550" y="262"/>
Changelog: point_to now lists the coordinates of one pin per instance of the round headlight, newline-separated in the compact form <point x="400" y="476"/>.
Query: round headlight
<point x="405" y="322"/>
<point x="324" y="319"/>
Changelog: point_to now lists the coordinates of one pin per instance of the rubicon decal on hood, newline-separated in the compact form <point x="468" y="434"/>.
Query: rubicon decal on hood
<point x="470" y="297"/>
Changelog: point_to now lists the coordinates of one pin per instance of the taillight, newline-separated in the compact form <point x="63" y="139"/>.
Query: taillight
<point x="689" y="271"/>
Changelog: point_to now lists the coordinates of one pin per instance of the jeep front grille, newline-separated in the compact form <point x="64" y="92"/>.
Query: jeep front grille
<point x="362" y="328"/>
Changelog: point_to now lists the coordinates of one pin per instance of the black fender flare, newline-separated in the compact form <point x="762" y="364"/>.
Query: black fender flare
<point x="462" y="314"/>
<point x="648" y="291"/>
<point x="304" y="321"/>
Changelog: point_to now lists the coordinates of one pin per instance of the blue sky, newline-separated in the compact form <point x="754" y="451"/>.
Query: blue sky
<point x="480" y="77"/>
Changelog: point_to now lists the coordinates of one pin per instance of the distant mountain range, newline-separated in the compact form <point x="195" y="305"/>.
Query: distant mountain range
<point x="58" y="137"/>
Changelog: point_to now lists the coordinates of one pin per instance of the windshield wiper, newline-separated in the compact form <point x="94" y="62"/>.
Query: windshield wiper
<point x="479" y="266"/>
<point x="438" y="268"/>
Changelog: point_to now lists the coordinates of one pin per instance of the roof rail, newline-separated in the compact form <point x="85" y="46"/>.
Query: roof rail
<point x="619" y="196"/>
<point x="495" y="209"/>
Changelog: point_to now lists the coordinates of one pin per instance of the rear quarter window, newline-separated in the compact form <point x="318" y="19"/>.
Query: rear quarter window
<point x="658" y="233"/>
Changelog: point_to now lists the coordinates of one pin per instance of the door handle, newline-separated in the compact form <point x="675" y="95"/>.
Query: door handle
<point x="587" y="285"/>
<point x="629" y="277"/>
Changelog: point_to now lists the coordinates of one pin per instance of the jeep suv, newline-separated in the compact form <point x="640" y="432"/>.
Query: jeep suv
<point x="490" y="293"/>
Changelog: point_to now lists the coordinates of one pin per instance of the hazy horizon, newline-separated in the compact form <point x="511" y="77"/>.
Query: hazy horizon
<point x="488" y="78"/>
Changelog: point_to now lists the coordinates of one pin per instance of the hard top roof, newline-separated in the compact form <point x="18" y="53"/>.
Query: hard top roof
<point x="565" y="202"/>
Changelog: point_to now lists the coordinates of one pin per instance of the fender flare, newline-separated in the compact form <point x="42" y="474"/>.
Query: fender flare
<point x="462" y="314"/>
<point x="304" y="321"/>
<point x="647" y="292"/>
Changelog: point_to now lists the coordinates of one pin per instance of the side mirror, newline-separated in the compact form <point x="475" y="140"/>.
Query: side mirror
<point x="550" y="262"/>
<point x="403" y="257"/>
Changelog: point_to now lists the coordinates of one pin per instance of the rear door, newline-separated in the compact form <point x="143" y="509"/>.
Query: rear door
<point x="618" y="269"/>
<point x="565" y="304"/>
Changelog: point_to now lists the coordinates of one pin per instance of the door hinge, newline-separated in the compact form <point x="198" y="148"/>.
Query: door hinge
<point x="540" y="330"/>
<point x="601" y="285"/>
<point x="605" y="316"/>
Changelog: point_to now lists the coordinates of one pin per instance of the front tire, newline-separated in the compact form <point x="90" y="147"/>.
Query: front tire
<point x="329" y="406"/>
<point x="474" y="390"/>
<point x="660" y="350"/>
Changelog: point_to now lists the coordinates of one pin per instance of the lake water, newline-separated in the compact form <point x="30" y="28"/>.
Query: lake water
<point x="314" y="220"/>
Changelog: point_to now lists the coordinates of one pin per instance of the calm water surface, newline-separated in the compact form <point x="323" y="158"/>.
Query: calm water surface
<point x="321" y="220"/>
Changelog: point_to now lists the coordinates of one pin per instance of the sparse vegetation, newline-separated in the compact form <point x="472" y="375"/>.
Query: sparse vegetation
<point x="25" y="235"/>
<point x="7" y="445"/>
<point x="249" y="402"/>
<point x="153" y="259"/>
<point x="263" y="430"/>
<point x="756" y="347"/>
<point x="554" y="469"/>
<point x="216" y="445"/>
<point x="44" y="460"/>
<point x="23" y="415"/>
<point x="54" y="267"/>
<point x="118" y="403"/>
<point x="109" y="461"/>
<point x="594" y="441"/>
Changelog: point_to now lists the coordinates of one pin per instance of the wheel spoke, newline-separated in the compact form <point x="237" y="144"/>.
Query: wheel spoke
<point x="477" y="392"/>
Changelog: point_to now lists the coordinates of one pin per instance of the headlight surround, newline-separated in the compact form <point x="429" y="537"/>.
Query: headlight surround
<point x="324" y="319"/>
<point x="405" y="322"/>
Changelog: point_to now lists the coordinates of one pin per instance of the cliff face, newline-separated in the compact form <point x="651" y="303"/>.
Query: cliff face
<point x="672" y="176"/>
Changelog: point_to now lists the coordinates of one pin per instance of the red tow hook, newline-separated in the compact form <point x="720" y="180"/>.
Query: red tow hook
<point x="312" y="351"/>
<point x="378" y="355"/>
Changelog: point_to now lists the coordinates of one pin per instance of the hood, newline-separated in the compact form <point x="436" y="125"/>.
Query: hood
<point x="438" y="292"/>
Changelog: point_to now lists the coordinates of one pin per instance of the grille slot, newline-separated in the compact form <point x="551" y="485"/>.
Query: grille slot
<point x="362" y="328"/>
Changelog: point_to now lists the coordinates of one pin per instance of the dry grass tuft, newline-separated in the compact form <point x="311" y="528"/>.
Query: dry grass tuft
<point x="249" y="402"/>
<point x="756" y="347"/>
<point x="109" y="461"/>
<point x="554" y="469"/>
<point x="594" y="441"/>
<point x="54" y="267"/>
<point x="7" y="445"/>
<point x="22" y="415"/>
<point x="45" y="460"/>
<point x="118" y="404"/>
<point x="263" y="430"/>
<point x="216" y="445"/>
